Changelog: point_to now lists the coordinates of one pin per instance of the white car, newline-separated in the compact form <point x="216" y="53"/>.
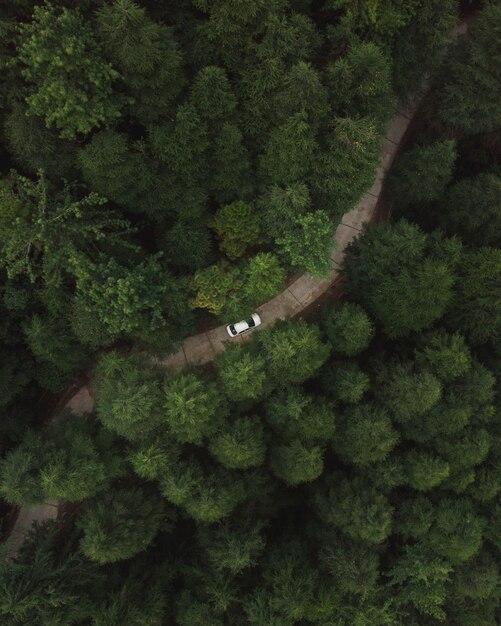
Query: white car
<point x="244" y="326"/>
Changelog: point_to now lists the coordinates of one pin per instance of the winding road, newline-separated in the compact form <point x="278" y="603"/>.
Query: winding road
<point x="202" y="348"/>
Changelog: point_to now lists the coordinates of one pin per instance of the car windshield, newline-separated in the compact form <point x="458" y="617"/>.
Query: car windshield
<point x="232" y="328"/>
<point x="251" y="323"/>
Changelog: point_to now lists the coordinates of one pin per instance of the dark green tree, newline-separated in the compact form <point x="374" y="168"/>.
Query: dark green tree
<point x="239" y="444"/>
<point x="345" y="382"/>
<point x="421" y="174"/>
<point x="348" y="328"/>
<point x="241" y="373"/>
<point x="69" y="82"/>
<point x="128" y="397"/>
<point x="293" y="351"/>
<point x="120" y="524"/>
<point x="193" y="408"/>
<point x="365" y="435"/>
<point x="469" y="95"/>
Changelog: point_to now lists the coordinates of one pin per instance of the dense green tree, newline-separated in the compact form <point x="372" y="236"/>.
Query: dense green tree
<point x="231" y="178"/>
<point x="421" y="43"/>
<point x="359" y="83"/>
<point x="281" y="207"/>
<point x="307" y="244"/>
<point x="212" y="95"/>
<point x="420" y="580"/>
<point x="365" y="434"/>
<point x="424" y="470"/>
<point x="49" y="581"/>
<point x="231" y="546"/>
<point x="476" y="578"/>
<point x="408" y="394"/>
<point x="237" y="228"/>
<point x="119" y="170"/>
<point x="345" y="168"/>
<point x="20" y="479"/>
<point x="239" y="444"/>
<point x="345" y="382"/>
<point x="469" y="95"/>
<point x="293" y="352"/>
<point x="146" y="54"/>
<point x="293" y="414"/>
<point x="193" y="407"/>
<point x="139" y="301"/>
<point x="188" y="245"/>
<point x="289" y="152"/>
<point x="471" y="209"/>
<point x="213" y="286"/>
<point x="296" y="462"/>
<point x="302" y="91"/>
<point x="414" y="517"/>
<point x="476" y="312"/>
<point x="120" y="524"/>
<point x="355" y="507"/>
<point x="128" y="398"/>
<point x="80" y="461"/>
<point x="207" y="495"/>
<point x="264" y="277"/>
<point x="456" y="533"/>
<point x="241" y="373"/>
<point x="446" y="355"/>
<point x="41" y="226"/>
<point x="69" y="82"/>
<point x="405" y="289"/>
<point x="422" y="173"/>
<point x="348" y="328"/>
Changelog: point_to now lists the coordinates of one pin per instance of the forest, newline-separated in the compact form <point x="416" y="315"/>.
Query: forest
<point x="170" y="166"/>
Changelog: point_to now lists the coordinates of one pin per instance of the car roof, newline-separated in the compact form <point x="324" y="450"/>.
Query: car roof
<point x="239" y="326"/>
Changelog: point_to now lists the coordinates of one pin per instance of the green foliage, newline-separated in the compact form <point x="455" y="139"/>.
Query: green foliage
<point x="232" y="547"/>
<point x="425" y="470"/>
<point x="407" y="393"/>
<point x="47" y="583"/>
<point x="307" y="244"/>
<point x="345" y="382"/>
<point x="446" y="355"/>
<point x="40" y="227"/>
<point x="129" y="301"/>
<point x="471" y="209"/>
<point x="232" y="176"/>
<point x="146" y="55"/>
<point x="239" y="444"/>
<point x="296" y="462"/>
<point x="120" y="524"/>
<point x="345" y="168"/>
<point x="365" y="435"/>
<point x="206" y="495"/>
<point x="403" y="288"/>
<point x="469" y="95"/>
<point x="289" y="152"/>
<point x="421" y="43"/>
<point x="212" y="96"/>
<point x="457" y="530"/>
<point x="420" y="580"/>
<point x="360" y="83"/>
<point x="241" y="373"/>
<point x="264" y="277"/>
<point x="213" y="286"/>
<point x="293" y="352"/>
<point x="193" y="408"/>
<point x="414" y="517"/>
<point x="69" y="82"/>
<point x="292" y="414"/>
<point x="188" y="245"/>
<point x="476" y="313"/>
<point x="71" y="462"/>
<point x="237" y="228"/>
<point x="348" y="328"/>
<point x="354" y="566"/>
<point x="128" y="398"/>
<point x="355" y="507"/>
<point x="20" y="471"/>
<point x="422" y="173"/>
